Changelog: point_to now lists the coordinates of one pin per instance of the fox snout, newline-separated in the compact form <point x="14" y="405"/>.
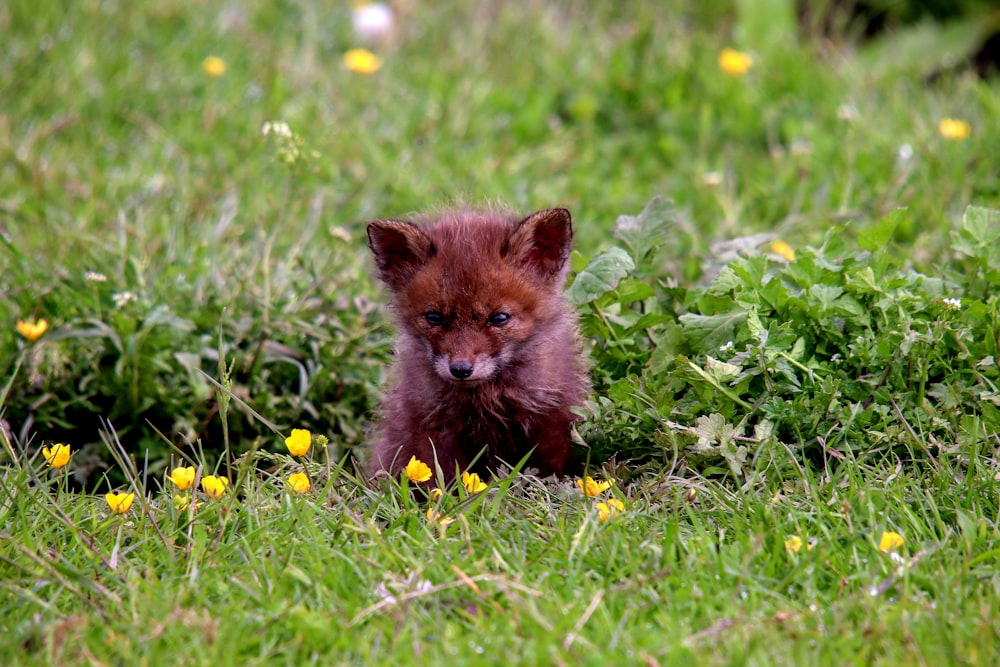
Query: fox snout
<point x="465" y="369"/>
<point x="461" y="370"/>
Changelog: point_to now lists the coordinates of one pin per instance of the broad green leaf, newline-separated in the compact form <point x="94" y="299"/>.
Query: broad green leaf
<point x="982" y="224"/>
<point x="601" y="275"/>
<point x="878" y="235"/>
<point x="707" y="332"/>
<point x="630" y="290"/>
<point x="824" y="296"/>
<point x="643" y="234"/>
<point x="722" y="371"/>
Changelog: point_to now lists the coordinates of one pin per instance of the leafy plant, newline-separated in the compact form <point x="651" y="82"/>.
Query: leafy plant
<point x="839" y="352"/>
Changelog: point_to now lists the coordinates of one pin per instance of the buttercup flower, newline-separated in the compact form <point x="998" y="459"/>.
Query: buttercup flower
<point x="735" y="63"/>
<point x="362" y="61"/>
<point x="592" y="488"/>
<point x="119" y="502"/>
<point x="433" y="516"/>
<point x="299" y="482"/>
<point x="890" y="541"/>
<point x="57" y="456"/>
<point x="32" y="329"/>
<point x="214" y="66"/>
<point x="611" y="508"/>
<point x="183" y="478"/>
<point x="472" y="483"/>
<point x="417" y="471"/>
<point x="298" y="442"/>
<point x="793" y="544"/>
<point x="956" y="130"/>
<point x="435" y="495"/>
<point x="783" y="249"/>
<point x="214" y="486"/>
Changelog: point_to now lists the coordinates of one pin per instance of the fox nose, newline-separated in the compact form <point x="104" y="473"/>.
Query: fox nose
<point x="460" y="369"/>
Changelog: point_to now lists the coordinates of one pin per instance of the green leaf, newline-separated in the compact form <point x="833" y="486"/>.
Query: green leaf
<point x="708" y="332"/>
<point x="878" y="235"/>
<point x="982" y="224"/>
<point x="630" y="290"/>
<point x="980" y="235"/>
<point x="824" y="296"/>
<point x="643" y="234"/>
<point x="601" y="275"/>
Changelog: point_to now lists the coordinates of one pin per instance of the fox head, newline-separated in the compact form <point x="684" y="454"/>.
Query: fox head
<point x="473" y="290"/>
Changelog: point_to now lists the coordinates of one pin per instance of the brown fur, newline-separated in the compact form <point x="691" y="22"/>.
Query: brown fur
<point x="466" y="380"/>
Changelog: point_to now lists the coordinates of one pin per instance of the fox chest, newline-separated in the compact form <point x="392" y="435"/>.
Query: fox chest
<point x="500" y="429"/>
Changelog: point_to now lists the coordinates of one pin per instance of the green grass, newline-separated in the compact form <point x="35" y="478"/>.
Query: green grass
<point x="237" y="303"/>
<point x="527" y="573"/>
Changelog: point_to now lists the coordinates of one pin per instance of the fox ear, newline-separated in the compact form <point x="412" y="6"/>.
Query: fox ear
<point x="400" y="250"/>
<point x="542" y="242"/>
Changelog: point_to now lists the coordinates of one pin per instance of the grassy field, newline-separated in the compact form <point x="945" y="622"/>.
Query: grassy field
<point x="799" y="426"/>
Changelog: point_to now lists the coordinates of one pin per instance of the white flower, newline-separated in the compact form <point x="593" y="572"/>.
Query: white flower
<point x="905" y="153"/>
<point x="373" y="21"/>
<point x="952" y="304"/>
<point x="95" y="277"/>
<point x="728" y="346"/>
<point x="847" y="112"/>
<point x="122" y="298"/>
<point x="279" y="128"/>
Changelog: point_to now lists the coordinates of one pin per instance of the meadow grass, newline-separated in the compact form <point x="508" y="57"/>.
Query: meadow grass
<point x="207" y="289"/>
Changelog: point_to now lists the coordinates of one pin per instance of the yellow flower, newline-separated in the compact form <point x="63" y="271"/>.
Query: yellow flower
<point x="472" y="483"/>
<point x="612" y="507"/>
<point x="592" y="488"/>
<point x="433" y="516"/>
<point x="362" y="61"/>
<point x="435" y="495"/>
<point x="32" y="329"/>
<point x="183" y="478"/>
<point x="783" y="249"/>
<point x="298" y="442"/>
<point x="735" y="63"/>
<point x="214" y="486"/>
<point x="890" y="541"/>
<point x="793" y="544"/>
<point x="119" y="502"/>
<point x="58" y="456"/>
<point x="951" y="128"/>
<point x="417" y="471"/>
<point x="299" y="482"/>
<point x="214" y="66"/>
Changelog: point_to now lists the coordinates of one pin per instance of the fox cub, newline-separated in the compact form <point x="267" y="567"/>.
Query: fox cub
<point x="488" y="362"/>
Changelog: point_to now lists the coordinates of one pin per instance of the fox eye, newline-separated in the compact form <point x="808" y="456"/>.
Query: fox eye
<point x="434" y="318"/>
<point x="498" y="319"/>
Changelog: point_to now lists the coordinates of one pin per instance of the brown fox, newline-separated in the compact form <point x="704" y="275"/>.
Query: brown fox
<point x="488" y="362"/>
